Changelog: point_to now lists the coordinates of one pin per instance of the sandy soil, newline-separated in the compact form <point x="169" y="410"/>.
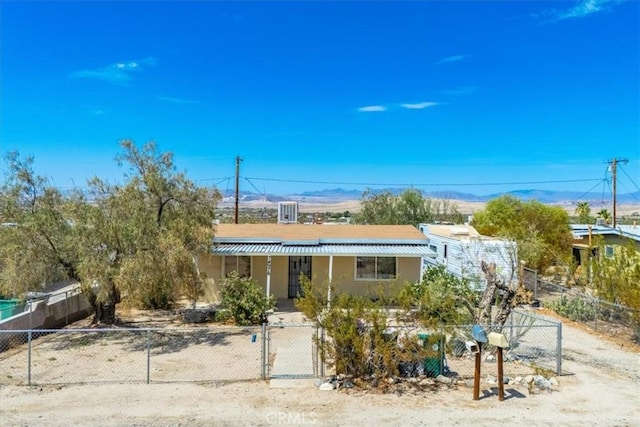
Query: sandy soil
<point x="600" y="388"/>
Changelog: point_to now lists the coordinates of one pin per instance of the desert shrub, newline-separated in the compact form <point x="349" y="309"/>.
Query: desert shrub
<point x="246" y="300"/>
<point x="574" y="308"/>
<point x="440" y="298"/>
<point x="360" y="344"/>
<point x="222" y="315"/>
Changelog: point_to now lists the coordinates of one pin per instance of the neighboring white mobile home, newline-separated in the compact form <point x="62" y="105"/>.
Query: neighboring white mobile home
<point x="461" y="249"/>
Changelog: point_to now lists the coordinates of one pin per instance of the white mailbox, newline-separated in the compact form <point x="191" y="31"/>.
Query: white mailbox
<point x="498" y="340"/>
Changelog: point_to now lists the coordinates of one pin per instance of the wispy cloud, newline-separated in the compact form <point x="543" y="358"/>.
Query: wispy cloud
<point x="178" y="100"/>
<point x="462" y="90"/>
<point x="580" y="10"/>
<point x="454" y="58"/>
<point x="372" y="108"/>
<point x="118" y="73"/>
<point x="419" y="105"/>
<point x="406" y="105"/>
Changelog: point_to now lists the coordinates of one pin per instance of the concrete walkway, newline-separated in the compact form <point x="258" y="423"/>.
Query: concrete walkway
<point x="291" y="344"/>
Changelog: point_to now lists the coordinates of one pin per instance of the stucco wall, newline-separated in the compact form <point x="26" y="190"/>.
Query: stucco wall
<point x="343" y="275"/>
<point x="50" y="313"/>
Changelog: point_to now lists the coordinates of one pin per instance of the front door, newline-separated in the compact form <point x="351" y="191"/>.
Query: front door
<point x="297" y="265"/>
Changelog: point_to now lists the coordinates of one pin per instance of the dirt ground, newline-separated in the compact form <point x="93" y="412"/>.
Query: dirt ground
<point x="600" y="388"/>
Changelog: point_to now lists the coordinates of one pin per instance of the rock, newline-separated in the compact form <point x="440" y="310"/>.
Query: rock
<point x="412" y="380"/>
<point x="554" y="383"/>
<point x="195" y="315"/>
<point x="491" y="379"/>
<point x="443" y="380"/>
<point x="469" y="383"/>
<point x="327" y="386"/>
<point x="517" y="380"/>
<point x="425" y="382"/>
<point x="490" y="358"/>
<point x="506" y="380"/>
<point x="528" y="379"/>
<point x="347" y="384"/>
<point x="391" y="380"/>
<point x="542" y="383"/>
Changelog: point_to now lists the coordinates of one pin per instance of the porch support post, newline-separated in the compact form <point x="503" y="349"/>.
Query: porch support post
<point x="422" y="261"/>
<point x="330" y="279"/>
<point x="268" y="275"/>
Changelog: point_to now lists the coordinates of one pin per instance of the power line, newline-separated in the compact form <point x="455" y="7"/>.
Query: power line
<point x="298" y="181"/>
<point x="627" y="175"/>
<point x="589" y="190"/>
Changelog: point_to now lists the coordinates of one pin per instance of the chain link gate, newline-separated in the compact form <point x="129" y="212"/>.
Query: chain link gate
<point x="292" y="351"/>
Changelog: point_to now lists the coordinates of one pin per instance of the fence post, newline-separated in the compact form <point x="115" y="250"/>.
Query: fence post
<point x="148" y="355"/>
<point x="29" y="357"/>
<point x="263" y="350"/>
<point x="559" y="349"/>
<point x="322" y="352"/>
<point x="66" y="307"/>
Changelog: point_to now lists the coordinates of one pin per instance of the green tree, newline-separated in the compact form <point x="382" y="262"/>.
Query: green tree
<point x="35" y="247"/>
<point x="541" y="232"/>
<point x="583" y="210"/>
<point x="410" y="207"/>
<point x="141" y="240"/>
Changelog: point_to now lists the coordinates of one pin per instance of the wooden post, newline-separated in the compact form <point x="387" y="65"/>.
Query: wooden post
<point x="500" y="376"/>
<point x="476" y="374"/>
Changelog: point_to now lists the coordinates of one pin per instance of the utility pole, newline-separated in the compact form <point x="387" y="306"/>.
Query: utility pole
<point x="238" y="160"/>
<point x="614" y="166"/>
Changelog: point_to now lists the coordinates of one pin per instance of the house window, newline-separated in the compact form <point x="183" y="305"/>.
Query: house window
<point x="434" y="248"/>
<point x="608" y="251"/>
<point x="445" y="251"/>
<point x="241" y="264"/>
<point x="375" y="268"/>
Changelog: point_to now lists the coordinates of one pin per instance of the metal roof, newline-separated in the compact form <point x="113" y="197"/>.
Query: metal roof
<point x="343" y="250"/>
<point x="316" y="242"/>
<point x="582" y="230"/>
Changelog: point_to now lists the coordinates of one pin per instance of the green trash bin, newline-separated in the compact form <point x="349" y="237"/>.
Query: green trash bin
<point x="433" y="365"/>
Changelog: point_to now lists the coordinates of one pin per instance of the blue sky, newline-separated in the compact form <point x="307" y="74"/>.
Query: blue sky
<point x="441" y="95"/>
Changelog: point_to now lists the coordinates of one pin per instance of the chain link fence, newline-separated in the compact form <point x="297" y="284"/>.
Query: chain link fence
<point x="65" y="356"/>
<point x="228" y="353"/>
<point x="534" y="342"/>
<point x="612" y="319"/>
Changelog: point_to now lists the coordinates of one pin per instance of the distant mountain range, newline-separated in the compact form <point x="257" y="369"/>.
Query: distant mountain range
<point x="543" y="196"/>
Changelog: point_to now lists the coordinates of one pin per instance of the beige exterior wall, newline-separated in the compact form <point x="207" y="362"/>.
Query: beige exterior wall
<point x="211" y="266"/>
<point x="408" y="269"/>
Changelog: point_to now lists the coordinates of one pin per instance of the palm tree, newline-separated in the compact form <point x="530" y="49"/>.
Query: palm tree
<point x="583" y="210"/>
<point x="604" y="214"/>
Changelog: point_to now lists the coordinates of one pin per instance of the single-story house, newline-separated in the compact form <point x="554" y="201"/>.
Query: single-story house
<point x="461" y="249"/>
<point x="586" y="236"/>
<point x="352" y="258"/>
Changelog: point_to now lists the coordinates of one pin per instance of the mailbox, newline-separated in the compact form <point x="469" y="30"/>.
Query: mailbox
<point x="498" y="340"/>
<point x="478" y="333"/>
<point x="472" y="347"/>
